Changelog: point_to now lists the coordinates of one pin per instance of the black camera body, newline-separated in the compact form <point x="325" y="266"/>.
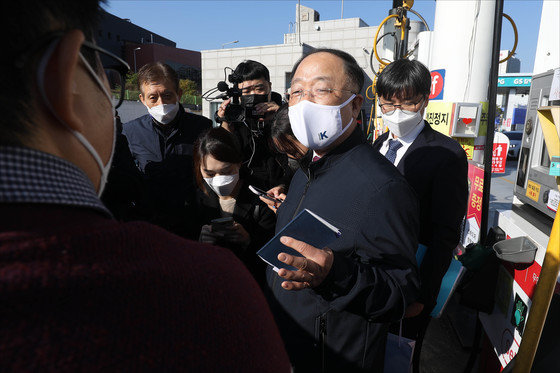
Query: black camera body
<point x="235" y="111"/>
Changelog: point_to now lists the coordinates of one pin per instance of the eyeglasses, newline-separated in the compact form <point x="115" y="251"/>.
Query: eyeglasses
<point x="407" y="107"/>
<point x="115" y="70"/>
<point x="319" y="94"/>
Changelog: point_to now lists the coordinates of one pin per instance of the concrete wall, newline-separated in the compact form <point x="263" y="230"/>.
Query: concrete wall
<point x="351" y="35"/>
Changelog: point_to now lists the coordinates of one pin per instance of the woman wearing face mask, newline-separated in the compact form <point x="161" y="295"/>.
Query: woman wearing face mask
<point x="223" y="194"/>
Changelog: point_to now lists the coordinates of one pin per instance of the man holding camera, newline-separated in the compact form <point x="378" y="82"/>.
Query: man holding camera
<point x="263" y="167"/>
<point x="161" y="143"/>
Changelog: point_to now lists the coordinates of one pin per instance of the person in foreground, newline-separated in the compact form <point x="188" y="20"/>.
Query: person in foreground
<point x="335" y="309"/>
<point x="81" y="291"/>
<point x="436" y="168"/>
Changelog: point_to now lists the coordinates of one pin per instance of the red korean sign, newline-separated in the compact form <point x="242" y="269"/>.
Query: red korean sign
<point x="476" y="185"/>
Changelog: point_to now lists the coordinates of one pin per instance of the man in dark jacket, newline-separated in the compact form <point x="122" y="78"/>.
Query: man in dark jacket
<point x="161" y="143"/>
<point x="262" y="167"/>
<point x="334" y="311"/>
<point x="436" y="168"/>
<point x="81" y="291"/>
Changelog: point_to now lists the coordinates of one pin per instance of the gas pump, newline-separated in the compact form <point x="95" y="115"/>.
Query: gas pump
<point x="463" y="61"/>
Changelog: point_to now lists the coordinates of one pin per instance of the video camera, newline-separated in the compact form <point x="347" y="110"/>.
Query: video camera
<point x="234" y="112"/>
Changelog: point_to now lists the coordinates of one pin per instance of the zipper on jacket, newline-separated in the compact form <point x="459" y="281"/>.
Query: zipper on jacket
<point x="295" y="213"/>
<point x="303" y="195"/>
<point x="323" y="341"/>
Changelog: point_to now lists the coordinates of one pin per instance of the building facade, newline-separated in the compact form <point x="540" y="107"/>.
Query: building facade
<point x="139" y="46"/>
<point x="351" y="35"/>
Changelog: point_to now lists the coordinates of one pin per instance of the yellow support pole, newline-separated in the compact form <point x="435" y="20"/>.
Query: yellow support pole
<point x="550" y="123"/>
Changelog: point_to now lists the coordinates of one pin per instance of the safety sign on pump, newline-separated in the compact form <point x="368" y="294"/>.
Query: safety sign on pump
<point x="499" y="153"/>
<point x="438" y="81"/>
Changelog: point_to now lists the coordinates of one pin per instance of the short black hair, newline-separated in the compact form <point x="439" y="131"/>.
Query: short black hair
<point x="157" y="71"/>
<point x="353" y="70"/>
<point x="26" y="24"/>
<point x="251" y="70"/>
<point x="220" y="144"/>
<point x="404" y="79"/>
<point x="281" y="131"/>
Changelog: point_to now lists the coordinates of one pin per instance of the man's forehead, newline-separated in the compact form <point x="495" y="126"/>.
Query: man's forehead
<point x="158" y="86"/>
<point x="320" y="66"/>
<point x="403" y="96"/>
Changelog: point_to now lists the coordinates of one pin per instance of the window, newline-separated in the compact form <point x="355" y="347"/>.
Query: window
<point x="514" y="135"/>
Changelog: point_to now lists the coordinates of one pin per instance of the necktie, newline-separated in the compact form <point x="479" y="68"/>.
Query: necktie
<point x="391" y="154"/>
<point x="316" y="158"/>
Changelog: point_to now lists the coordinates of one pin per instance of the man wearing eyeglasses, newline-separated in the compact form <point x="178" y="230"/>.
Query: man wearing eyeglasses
<point x="261" y="165"/>
<point x="435" y="166"/>
<point x="334" y="309"/>
<point x="81" y="291"/>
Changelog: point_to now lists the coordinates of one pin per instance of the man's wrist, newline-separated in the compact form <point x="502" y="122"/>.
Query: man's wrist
<point x="217" y="118"/>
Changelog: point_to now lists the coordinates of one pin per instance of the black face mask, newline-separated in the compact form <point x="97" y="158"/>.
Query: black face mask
<point x="250" y="101"/>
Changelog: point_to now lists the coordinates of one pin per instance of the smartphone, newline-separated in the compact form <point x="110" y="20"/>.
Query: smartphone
<point x="262" y="193"/>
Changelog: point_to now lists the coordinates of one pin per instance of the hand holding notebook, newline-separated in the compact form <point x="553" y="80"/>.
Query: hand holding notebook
<point x="298" y="252"/>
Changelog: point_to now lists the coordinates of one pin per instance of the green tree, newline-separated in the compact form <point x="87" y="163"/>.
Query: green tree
<point x="188" y="87"/>
<point x="131" y="81"/>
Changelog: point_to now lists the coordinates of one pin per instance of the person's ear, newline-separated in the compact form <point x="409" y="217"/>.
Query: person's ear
<point x="61" y="80"/>
<point x="179" y="94"/>
<point x="141" y="97"/>
<point x="426" y="102"/>
<point x="424" y="106"/>
<point x="357" y="105"/>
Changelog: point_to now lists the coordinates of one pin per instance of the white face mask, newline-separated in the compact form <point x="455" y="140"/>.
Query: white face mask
<point x="401" y="123"/>
<point x="164" y="113"/>
<point x="41" y="84"/>
<point x="223" y="185"/>
<point x="317" y="126"/>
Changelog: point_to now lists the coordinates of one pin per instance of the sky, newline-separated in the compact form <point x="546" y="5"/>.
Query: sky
<point x="201" y="25"/>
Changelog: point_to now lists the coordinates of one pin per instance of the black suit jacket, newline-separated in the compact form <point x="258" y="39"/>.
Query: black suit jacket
<point x="436" y="168"/>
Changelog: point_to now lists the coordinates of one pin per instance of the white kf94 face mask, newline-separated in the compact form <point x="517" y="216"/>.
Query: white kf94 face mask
<point x="317" y="126"/>
<point x="164" y="113"/>
<point x="401" y="123"/>
<point x="223" y="185"/>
